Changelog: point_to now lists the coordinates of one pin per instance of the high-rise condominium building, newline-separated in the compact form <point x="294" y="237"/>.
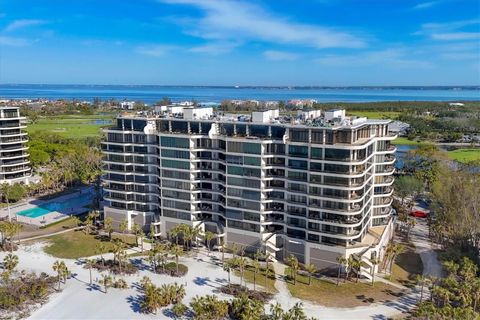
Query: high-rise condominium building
<point x="14" y="163"/>
<point x="316" y="185"/>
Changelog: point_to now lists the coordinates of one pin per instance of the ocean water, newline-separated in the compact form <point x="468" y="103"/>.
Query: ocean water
<point x="151" y="94"/>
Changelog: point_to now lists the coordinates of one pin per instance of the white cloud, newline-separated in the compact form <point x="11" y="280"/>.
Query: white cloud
<point x="234" y="20"/>
<point x="389" y="58"/>
<point x="154" y="50"/>
<point x="460" y="56"/>
<point x="450" y="31"/>
<point x="456" y="36"/>
<point x="23" y="23"/>
<point x="13" y="42"/>
<point x="214" y="48"/>
<point x="425" y="5"/>
<point x="279" y="55"/>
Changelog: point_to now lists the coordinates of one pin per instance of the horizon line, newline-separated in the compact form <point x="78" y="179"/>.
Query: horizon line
<point x="477" y="86"/>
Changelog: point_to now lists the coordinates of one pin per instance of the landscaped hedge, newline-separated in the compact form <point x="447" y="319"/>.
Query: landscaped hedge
<point x="126" y="268"/>
<point x="171" y="269"/>
<point x="237" y="290"/>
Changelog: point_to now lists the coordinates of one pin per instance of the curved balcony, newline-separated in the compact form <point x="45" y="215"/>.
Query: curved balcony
<point x="386" y="181"/>
<point x="389" y="150"/>
<point x="380" y="203"/>
<point x="15" y="163"/>
<point x="12" y="141"/>
<point x="386" y="192"/>
<point x="388" y="160"/>
<point x="386" y="171"/>
<point x="13" y="149"/>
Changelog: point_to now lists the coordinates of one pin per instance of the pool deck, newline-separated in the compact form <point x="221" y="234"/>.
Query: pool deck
<point x="48" y="218"/>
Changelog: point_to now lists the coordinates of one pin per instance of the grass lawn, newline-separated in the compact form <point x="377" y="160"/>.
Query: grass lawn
<point x="375" y="114"/>
<point x="405" y="141"/>
<point x="407" y="266"/>
<point x="32" y="231"/>
<point x="76" y="244"/>
<point x="346" y="295"/>
<point x="464" y="155"/>
<point x="74" y="126"/>
<point x="248" y="276"/>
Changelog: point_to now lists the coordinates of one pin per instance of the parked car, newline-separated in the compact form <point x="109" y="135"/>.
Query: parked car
<point x="419" y="214"/>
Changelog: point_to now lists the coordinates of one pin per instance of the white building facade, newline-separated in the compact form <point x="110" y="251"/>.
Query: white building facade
<point x="317" y="190"/>
<point x="14" y="163"/>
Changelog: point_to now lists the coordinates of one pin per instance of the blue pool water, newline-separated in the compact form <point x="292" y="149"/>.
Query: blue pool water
<point x="63" y="206"/>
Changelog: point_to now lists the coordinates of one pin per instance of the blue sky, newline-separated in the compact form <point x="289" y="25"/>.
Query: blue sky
<point x="215" y="42"/>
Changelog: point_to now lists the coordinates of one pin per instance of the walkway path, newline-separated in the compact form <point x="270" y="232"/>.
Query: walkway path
<point x="50" y="234"/>
<point x="205" y="276"/>
<point x="423" y="246"/>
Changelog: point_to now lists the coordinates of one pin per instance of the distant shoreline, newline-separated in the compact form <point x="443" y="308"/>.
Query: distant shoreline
<point x="285" y="87"/>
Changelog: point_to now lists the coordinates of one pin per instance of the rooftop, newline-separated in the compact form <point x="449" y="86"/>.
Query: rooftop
<point x="302" y="119"/>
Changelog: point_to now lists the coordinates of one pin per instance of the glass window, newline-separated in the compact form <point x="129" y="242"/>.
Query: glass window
<point x="175" y="164"/>
<point x="316" y="153"/>
<point x="251" y="161"/>
<point x="298" y="151"/>
<point x="298" y="164"/>
<point x="177" y="154"/>
<point x="299" y="135"/>
<point x="337" y="154"/>
<point x="174" y="142"/>
<point x="254" y="148"/>
<point x="180" y="126"/>
<point x="277" y="132"/>
<point x="258" y="131"/>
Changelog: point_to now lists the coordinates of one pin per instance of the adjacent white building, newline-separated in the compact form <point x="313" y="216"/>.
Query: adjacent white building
<point x="14" y="163"/>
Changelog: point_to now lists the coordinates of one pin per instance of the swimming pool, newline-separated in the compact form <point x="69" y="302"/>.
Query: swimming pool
<point x="65" y="205"/>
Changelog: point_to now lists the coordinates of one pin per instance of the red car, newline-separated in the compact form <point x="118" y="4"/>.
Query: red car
<point x="419" y="214"/>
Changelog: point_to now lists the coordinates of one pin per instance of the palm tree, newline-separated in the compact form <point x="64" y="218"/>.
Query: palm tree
<point x="374" y="262"/>
<point x="176" y="251"/>
<point x="242" y="263"/>
<point x="276" y="311"/>
<point x="350" y="266"/>
<point x="296" y="312"/>
<point x="356" y="265"/>
<point x="107" y="225"/>
<point x="398" y="248"/>
<point x="387" y="255"/>
<point x="227" y="266"/>
<point x="294" y="267"/>
<point x="256" y="269"/>
<point x="234" y="249"/>
<point x="223" y="247"/>
<point x="10" y="262"/>
<point x="174" y="232"/>
<point x="100" y="249"/>
<point x="94" y="214"/>
<point x="195" y="233"/>
<point x="311" y="269"/>
<point x="136" y="229"/>
<point x="178" y="293"/>
<point x="106" y="281"/>
<point x="342" y="262"/>
<point x="187" y="236"/>
<point x="61" y="269"/>
<point x="89" y="263"/>
<point x="123" y="227"/>
<point x="209" y="236"/>
<point x="267" y="267"/>
<point x="421" y="280"/>
<point x="88" y="225"/>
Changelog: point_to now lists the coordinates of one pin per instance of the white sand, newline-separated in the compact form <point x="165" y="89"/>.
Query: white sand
<point x="78" y="301"/>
